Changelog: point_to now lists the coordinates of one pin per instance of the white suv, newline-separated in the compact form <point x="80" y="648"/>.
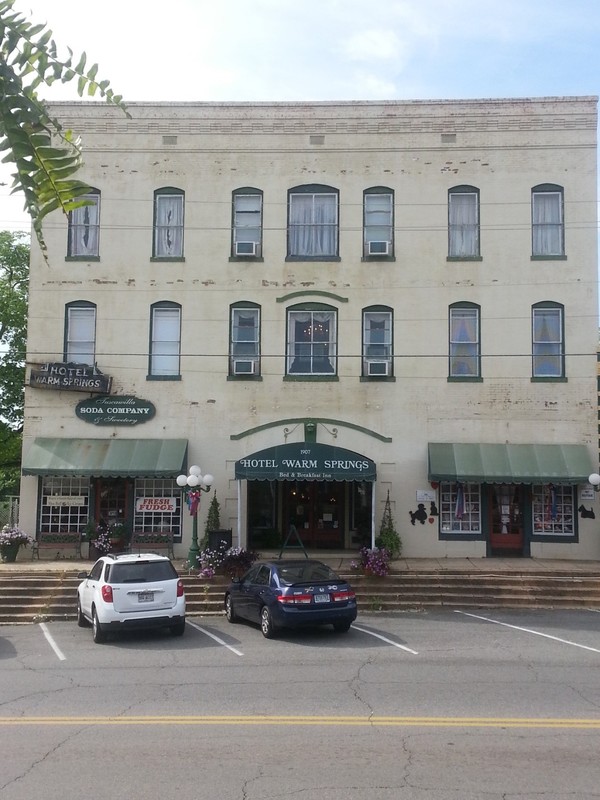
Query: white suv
<point x="123" y="592"/>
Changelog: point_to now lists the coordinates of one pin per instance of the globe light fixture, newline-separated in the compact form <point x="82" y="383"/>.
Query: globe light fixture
<point x="594" y="480"/>
<point x="192" y="486"/>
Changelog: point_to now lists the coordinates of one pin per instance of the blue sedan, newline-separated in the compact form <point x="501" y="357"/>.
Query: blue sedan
<point x="291" y="593"/>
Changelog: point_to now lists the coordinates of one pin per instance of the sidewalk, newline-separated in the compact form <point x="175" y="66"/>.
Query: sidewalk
<point x="341" y="562"/>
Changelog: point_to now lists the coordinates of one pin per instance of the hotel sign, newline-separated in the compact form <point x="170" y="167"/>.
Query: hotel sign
<point x="306" y="461"/>
<point x="115" y="410"/>
<point x="70" y="377"/>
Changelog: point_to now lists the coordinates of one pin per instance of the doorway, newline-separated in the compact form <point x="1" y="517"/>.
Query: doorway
<point x="318" y="510"/>
<point x="111" y="500"/>
<point x="506" y="503"/>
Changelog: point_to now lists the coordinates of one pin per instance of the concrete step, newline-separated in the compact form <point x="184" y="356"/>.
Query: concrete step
<point x="27" y="597"/>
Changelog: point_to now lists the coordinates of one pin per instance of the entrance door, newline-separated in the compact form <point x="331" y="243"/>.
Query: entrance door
<point x="111" y="500"/>
<point x="317" y="509"/>
<point x="506" y="518"/>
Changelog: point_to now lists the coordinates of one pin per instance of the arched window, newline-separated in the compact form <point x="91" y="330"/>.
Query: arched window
<point x="378" y="222"/>
<point x="311" y="340"/>
<point x="168" y="223"/>
<point x="246" y="228"/>
<point x="244" y="340"/>
<point x="548" y="350"/>
<point x="80" y="333"/>
<point x="463" y="222"/>
<point x="84" y="228"/>
<point x="313" y="223"/>
<point x="377" y="353"/>
<point x="547" y="221"/>
<point x="464" y="344"/>
<point x="165" y="341"/>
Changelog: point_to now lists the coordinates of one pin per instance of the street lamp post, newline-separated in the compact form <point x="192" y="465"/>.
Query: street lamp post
<point x="192" y="486"/>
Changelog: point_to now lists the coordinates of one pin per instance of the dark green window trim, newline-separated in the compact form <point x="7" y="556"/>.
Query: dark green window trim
<point x="246" y="259"/>
<point x="464" y="258"/>
<point x="544" y="379"/>
<point x="82" y="258"/>
<point x="163" y="377"/>
<point x="377" y="378"/>
<point x="313" y="258"/>
<point x="244" y="378"/>
<point x="548" y="258"/>
<point x="167" y="258"/>
<point x="464" y="379"/>
<point x="378" y="258"/>
<point x="311" y="378"/>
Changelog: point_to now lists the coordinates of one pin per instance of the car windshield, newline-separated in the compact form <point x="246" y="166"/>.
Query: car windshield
<point x="305" y="573"/>
<point x="142" y="572"/>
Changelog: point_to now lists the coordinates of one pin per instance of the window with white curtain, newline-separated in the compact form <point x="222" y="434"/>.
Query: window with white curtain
<point x="80" y="333"/>
<point x="311" y="343"/>
<point x="313" y="222"/>
<point x="548" y="342"/>
<point x="463" y="222"/>
<point x="165" y="340"/>
<point x="377" y="342"/>
<point x="245" y="340"/>
<point x="84" y="228"/>
<point x="168" y="223"/>
<point x="547" y="222"/>
<point x="378" y="222"/>
<point x="465" y="351"/>
<point x="247" y="223"/>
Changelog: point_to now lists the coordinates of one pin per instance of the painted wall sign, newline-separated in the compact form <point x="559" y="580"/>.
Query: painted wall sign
<point x="167" y="505"/>
<point x="115" y="410"/>
<point x="65" y="500"/>
<point x="69" y="377"/>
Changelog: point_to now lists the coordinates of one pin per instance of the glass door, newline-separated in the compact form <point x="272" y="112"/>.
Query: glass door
<point x="506" y="518"/>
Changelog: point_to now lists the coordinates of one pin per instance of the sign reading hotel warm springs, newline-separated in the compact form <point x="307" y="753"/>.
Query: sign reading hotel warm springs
<point x="305" y="461"/>
<point x="69" y="377"/>
<point x="115" y="410"/>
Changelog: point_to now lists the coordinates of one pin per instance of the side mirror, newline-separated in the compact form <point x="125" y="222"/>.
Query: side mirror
<point x="83" y="575"/>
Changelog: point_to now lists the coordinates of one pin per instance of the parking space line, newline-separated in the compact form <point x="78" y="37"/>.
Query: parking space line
<point x="60" y="655"/>
<point x="216" y="638"/>
<point x="529" y="630"/>
<point x="385" y="639"/>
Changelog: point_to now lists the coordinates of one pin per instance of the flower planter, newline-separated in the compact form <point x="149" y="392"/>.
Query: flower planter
<point x="9" y="553"/>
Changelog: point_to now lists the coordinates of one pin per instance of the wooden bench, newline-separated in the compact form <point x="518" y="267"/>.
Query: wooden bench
<point x="57" y="542"/>
<point x="152" y="542"/>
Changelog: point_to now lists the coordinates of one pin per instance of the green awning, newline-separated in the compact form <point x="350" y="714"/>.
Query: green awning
<point x="510" y="463"/>
<point x="134" y="458"/>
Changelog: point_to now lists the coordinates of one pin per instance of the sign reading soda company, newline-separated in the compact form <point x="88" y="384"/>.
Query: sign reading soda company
<point x="70" y="377"/>
<point x="115" y="410"/>
<point x="306" y="461"/>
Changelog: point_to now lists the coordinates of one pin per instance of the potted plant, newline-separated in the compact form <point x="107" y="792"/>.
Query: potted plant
<point x="100" y="544"/>
<point x="237" y="561"/>
<point x="11" y="540"/>
<point x="388" y="537"/>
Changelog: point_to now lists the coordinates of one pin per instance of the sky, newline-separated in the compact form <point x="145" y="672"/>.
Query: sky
<point x="277" y="50"/>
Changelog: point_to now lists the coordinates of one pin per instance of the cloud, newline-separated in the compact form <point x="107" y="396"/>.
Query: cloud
<point x="373" y="44"/>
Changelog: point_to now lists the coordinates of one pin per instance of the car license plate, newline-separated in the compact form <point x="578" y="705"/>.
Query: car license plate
<point x="321" y="598"/>
<point x="145" y="597"/>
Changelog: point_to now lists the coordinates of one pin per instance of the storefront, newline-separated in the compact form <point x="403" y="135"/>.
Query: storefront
<point x="324" y="493"/>
<point x="125" y="482"/>
<point x="509" y="495"/>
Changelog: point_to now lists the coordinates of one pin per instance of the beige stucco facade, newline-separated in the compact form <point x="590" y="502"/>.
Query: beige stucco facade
<point x="418" y="151"/>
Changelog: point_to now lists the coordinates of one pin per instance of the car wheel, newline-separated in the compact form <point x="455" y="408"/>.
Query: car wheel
<point x="341" y="627"/>
<point x="266" y="623"/>
<point x="179" y="629"/>
<point x="98" y="634"/>
<point x="81" y="620"/>
<point x="229" y="610"/>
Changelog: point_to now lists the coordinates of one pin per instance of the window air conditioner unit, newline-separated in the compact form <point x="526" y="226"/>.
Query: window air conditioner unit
<point x="379" y="248"/>
<point x="243" y="367"/>
<point x="245" y="248"/>
<point x="378" y="368"/>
